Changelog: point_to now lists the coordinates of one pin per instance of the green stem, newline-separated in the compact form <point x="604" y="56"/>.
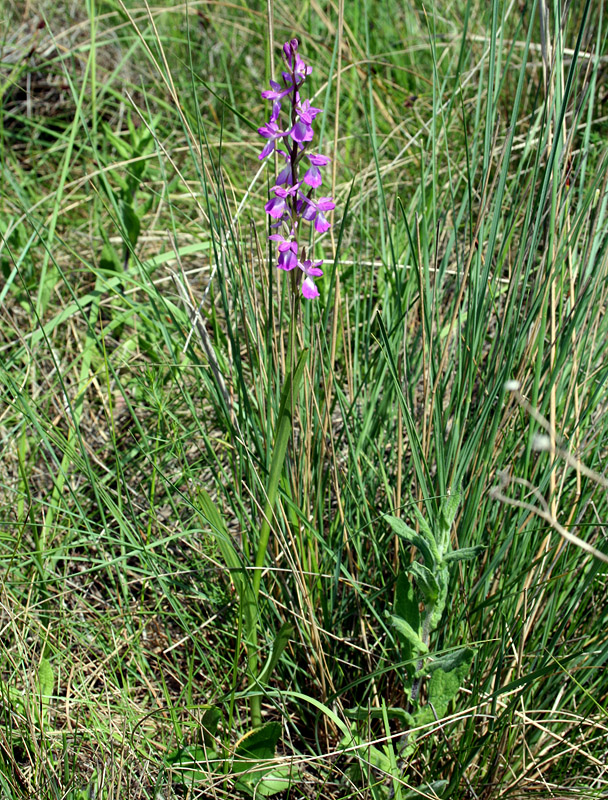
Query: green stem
<point x="283" y="428"/>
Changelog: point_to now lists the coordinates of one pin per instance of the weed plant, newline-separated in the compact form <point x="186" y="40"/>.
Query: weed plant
<point x="452" y="395"/>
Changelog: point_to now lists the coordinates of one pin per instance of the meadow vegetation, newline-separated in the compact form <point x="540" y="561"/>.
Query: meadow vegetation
<point x="423" y="445"/>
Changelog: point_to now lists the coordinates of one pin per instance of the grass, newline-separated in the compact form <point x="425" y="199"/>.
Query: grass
<point x="144" y="334"/>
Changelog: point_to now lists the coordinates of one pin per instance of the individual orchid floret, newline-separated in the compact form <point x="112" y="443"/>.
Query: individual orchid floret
<point x="307" y="112"/>
<point x="276" y="92"/>
<point x="315" y="212"/>
<point x="277" y="206"/>
<point x="286" y="174"/>
<point x="311" y="270"/>
<point x="301" y="132"/>
<point x="272" y="132"/>
<point x="288" y="250"/>
<point x="312" y="176"/>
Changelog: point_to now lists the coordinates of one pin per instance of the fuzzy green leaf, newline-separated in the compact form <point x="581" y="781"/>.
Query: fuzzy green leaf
<point x="425" y="581"/>
<point x="405" y="629"/>
<point x="451" y="661"/>
<point x="464" y="554"/>
<point x="406" y="607"/>
<point x="403" y="530"/>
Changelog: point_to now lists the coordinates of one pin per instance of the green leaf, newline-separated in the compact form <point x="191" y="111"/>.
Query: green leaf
<point x="443" y="686"/>
<point x="283" y="636"/>
<point x="46" y="679"/>
<point x="427" y="790"/>
<point x="405" y="606"/>
<point x="425" y="581"/>
<point x="224" y="541"/>
<point x="370" y="753"/>
<point x="258" y="744"/>
<point x="427" y="548"/>
<point x="193" y="763"/>
<point x="46" y="682"/>
<point x="276" y="780"/>
<point x="449" y="508"/>
<point x="209" y="722"/>
<point x="121" y="145"/>
<point x="451" y="661"/>
<point x="464" y="554"/>
<point x="405" y="629"/>
<point x="424" y="525"/>
<point x="131" y="223"/>
<point x="442" y="577"/>
<point x="447" y="515"/>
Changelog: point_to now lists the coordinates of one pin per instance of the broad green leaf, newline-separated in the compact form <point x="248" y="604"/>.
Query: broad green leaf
<point x="209" y="723"/>
<point x="427" y="790"/>
<point x="405" y="629"/>
<point x="424" y="525"/>
<point x="46" y="682"/>
<point x="442" y="577"/>
<point x="451" y="661"/>
<point x="447" y="515"/>
<point x="131" y="222"/>
<point x="409" y="534"/>
<point x="46" y="679"/>
<point x="258" y="744"/>
<point x="449" y="508"/>
<point x="442" y="688"/>
<point x="464" y="554"/>
<point x="368" y="752"/>
<point x="275" y="780"/>
<point x="406" y="607"/>
<point x="425" y="581"/>
<point x="193" y="763"/>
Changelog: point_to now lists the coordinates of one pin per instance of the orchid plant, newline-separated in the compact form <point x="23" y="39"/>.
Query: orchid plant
<point x="289" y="133"/>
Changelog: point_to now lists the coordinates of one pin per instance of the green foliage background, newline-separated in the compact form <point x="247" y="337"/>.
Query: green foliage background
<point x="143" y="340"/>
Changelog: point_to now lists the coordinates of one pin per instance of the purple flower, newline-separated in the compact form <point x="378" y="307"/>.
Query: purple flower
<point x="315" y="212"/>
<point x="287" y="260"/>
<point x="284" y="175"/>
<point x="301" y="132"/>
<point x="288" y="250"/>
<point x="312" y="176"/>
<point x="311" y="270"/>
<point x="295" y="62"/>
<point x="272" y="132"/>
<point x="288" y="205"/>
<point x="276" y="93"/>
<point x="307" y="112"/>
<point x="277" y="206"/>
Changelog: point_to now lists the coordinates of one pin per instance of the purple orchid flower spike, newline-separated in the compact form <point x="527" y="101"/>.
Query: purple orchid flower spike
<point x="289" y="133"/>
